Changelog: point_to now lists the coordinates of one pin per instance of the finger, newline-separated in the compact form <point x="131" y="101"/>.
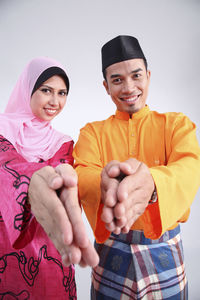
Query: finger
<point x="82" y="263"/>
<point x="71" y="255"/>
<point x="108" y="189"/>
<point x="130" y="223"/>
<point x="69" y="197"/>
<point x="50" y="177"/>
<point x="110" y="198"/>
<point x="134" y="206"/>
<point x="62" y="222"/>
<point x="113" y="170"/>
<point x="133" y="214"/>
<point x="59" y="220"/>
<point x="110" y="226"/>
<point x="130" y="166"/>
<point x="68" y="174"/>
<point x="117" y="230"/>
<point x="56" y="211"/>
<point x="126" y="187"/>
<point x="121" y="222"/>
<point x="125" y="229"/>
<point x="126" y="178"/>
<point x="119" y="210"/>
<point x="107" y="214"/>
<point x="90" y="256"/>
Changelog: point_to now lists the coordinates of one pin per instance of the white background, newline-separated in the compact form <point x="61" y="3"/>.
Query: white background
<point x="73" y="32"/>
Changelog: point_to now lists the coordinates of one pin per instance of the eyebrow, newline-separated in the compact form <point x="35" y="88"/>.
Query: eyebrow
<point x="137" y="70"/>
<point x="50" y="87"/>
<point x="132" y="72"/>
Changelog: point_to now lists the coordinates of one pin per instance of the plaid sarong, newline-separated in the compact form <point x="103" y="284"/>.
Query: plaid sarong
<point x="134" y="267"/>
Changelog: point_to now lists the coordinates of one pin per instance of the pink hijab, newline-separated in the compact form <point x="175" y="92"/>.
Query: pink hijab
<point x="34" y="139"/>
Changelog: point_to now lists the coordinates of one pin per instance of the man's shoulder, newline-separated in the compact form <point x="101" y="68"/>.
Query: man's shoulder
<point x="168" y="115"/>
<point x="171" y="119"/>
<point x="98" y="123"/>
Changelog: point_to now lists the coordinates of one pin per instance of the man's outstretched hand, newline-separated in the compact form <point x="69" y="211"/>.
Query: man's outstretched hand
<point x="126" y="188"/>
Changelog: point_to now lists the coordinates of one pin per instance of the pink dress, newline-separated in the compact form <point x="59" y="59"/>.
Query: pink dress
<point x="30" y="265"/>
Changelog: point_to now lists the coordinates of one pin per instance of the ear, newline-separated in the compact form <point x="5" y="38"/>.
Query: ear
<point x="106" y="86"/>
<point x="148" y="74"/>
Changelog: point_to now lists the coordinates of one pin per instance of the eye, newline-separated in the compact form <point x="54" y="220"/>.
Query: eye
<point x="45" y="90"/>
<point x="137" y="75"/>
<point x="117" y="80"/>
<point x="63" y="93"/>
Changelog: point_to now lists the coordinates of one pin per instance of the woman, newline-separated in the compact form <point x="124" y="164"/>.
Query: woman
<point x="30" y="265"/>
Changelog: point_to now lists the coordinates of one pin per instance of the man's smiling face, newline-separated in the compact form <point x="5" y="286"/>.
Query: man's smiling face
<point x="127" y="83"/>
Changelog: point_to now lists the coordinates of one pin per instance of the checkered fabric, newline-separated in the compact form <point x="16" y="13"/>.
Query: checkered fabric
<point x="134" y="267"/>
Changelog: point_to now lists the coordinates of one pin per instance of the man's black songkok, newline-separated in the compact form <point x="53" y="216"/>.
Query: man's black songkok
<point x="122" y="47"/>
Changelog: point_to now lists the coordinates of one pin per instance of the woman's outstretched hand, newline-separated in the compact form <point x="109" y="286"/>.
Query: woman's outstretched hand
<point x="53" y="195"/>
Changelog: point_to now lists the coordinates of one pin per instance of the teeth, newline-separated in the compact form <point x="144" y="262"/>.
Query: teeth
<point x="130" y="99"/>
<point x="51" y="110"/>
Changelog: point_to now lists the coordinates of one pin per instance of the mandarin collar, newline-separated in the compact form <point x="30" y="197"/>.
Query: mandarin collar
<point x="135" y="116"/>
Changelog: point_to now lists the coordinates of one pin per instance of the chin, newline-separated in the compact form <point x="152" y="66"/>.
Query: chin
<point x="133" y="110"/>
<point x="137" y="108"/>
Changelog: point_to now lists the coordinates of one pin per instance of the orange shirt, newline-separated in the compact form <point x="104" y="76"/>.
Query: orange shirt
<point x="166" y="143"/>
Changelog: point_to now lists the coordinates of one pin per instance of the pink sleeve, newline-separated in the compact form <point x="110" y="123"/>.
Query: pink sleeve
<point x="15" y="174"/>
<point x="64" y="155"/>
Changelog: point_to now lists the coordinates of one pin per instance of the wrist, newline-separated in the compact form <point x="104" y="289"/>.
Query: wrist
<point x="154" y="196"/>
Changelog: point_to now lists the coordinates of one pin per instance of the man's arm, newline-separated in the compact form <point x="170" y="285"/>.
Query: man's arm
<point x="61" y="217"/>
<point x="98" y="185"/>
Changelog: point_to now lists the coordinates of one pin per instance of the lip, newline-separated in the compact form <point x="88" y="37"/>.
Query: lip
<point x="130" y="99"/>
<point x="50" y="111"/>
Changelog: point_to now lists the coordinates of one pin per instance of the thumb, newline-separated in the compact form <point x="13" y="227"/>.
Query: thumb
<point x="130" y="166"/>
<point x="68" y="175"/>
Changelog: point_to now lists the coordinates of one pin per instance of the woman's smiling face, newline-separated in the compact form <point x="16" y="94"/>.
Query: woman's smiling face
<point x="49" y="99"/>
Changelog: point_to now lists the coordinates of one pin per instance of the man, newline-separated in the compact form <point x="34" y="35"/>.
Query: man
<point x="138" y="174"/>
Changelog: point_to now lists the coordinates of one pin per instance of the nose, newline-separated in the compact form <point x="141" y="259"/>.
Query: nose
<point x="128" y="86"/>
<point x="53" y="101"/>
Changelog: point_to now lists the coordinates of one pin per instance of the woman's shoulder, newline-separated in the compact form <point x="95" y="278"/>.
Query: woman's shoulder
<point x="5" y="144"/>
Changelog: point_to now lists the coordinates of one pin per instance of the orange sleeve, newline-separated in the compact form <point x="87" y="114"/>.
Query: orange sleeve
<point x="177" y="182"/>
<point x="88" y="165"/>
